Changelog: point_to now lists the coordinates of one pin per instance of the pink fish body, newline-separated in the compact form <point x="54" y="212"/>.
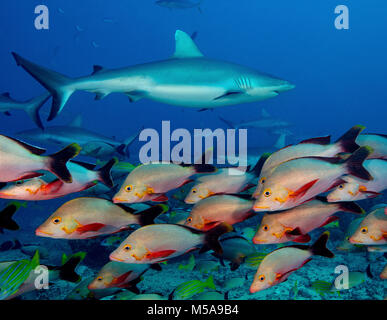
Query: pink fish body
<point x="295" y="224"/>
<point x="354" y="189"/>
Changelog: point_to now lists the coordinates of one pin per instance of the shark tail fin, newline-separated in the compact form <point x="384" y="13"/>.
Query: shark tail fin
<point x="104" y="174"/>
<point x="57" y="162"/>
<point x="54" y="82"/>
<point x="34" y="106"/>
<point x="128" y="142"/>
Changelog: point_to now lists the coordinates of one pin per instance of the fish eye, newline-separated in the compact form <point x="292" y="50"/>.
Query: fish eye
<point x="364" y="230"/>
<point x="263" y="180"/>
<point x="128" y="188"/>
<point x="194" y="190"/>
<point x="189" y="219"/>
<point x="262" y="277"/>
<point x="341" y="186"/>
<point x="267" y="193"/>
<point x="99" y="279"/>
<point x="265" y="227"/>
<point x="19" y="182"/>
<point x="56" y="220"/>
<point x="127" y="247"/>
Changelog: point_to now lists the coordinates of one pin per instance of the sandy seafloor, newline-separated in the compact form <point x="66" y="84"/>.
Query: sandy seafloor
<point x="298" y="285"/>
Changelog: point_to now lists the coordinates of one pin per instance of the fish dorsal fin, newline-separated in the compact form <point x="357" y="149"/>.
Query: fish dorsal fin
<point x="97" y="69"/>
<point x="77" y="121"/>
<point x="265" y="114"/>
<point x="185" y="46"/>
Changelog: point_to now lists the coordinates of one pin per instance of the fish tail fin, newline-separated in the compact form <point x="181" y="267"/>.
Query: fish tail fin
<point x="319" y="248"/>
<point x="34" y="105"/>
<point x="259" y="165"/>
<point x="69" y="264"/>
<point x="211" y="240"/>
<point x="57" y="162"/>
<point x="354" y="163"/>
<point x="228" y="123"/>
<point x="352" y="207"/>
<point x="35" y="261"/>
<point x="53" y="81"/>
<point x="6" y="221"/>
<point x="348" y="141"/>
<point x="210" y="282"/>
<point x="147" y="216"/>
<point x="104" y="174"/>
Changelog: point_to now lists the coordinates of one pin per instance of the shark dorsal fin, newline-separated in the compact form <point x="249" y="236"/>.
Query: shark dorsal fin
<point x="96" y="69"/>
<point x="77" y="121"/>
<point x="264" y="113"/>
<point x="185" y="46"/>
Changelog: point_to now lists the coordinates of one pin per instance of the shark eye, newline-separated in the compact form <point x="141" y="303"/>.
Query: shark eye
<point x="263" y="180"/>
<point x="194" y="190"/>
<point x="128" y="188"/>
<point x="99" y="279"/>
<point x="267" y="193"/>
<point x="262" y="277"/>
<point x="127" y="247"/>
<point x="265" y="227"/>
<point x="364" y="230"/>
<point x="56" y="220"/>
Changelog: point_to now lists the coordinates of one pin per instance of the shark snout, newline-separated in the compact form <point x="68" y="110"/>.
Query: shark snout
<point x="285" y="86"/>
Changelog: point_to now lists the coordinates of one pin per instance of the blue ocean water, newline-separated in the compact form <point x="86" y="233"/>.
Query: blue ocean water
<point x="339" y="77"/>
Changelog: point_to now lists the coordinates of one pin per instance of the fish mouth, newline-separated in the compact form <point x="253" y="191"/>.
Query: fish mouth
<point x="353" y="240"/>
<point x="257" y="208"/>
<point x="258" y="241"/>
<point x="114" y="258"/>
<point x="42" y="233"/>
<point x="118" y="200"/>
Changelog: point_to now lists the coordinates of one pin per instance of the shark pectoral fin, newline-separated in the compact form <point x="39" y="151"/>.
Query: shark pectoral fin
<point x="100" y="95"/>
<point x="135" y="95"/>
<point x="185" y="47"/>
<point x="230" y="94"/>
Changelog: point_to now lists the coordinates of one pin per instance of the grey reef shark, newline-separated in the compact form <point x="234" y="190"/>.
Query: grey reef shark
<point x="187" y="79"/>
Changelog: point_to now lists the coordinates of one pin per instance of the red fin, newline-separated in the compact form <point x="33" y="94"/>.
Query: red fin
<point x="185" y="182"/>
<point x="371" y="194"/>
<point x="90" y="227"/>
<point x="303" y="190"/>
<point x="161" y="198"/>
<point x="52" y="187"/>
<point x="247" y="187"/>
<point x="29" y="175"/>
<point x="160" y="254"/>
<point x="329" y="220"/>
<point x="119" y="280"/>
<point x="302" y="239"/>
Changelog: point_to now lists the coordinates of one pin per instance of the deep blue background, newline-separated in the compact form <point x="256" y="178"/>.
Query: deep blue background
<point x="340" y="75"/>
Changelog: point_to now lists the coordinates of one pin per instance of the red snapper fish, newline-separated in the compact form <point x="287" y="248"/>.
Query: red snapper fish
<point x="296" y="181"/>
<point x="22" y="161"/>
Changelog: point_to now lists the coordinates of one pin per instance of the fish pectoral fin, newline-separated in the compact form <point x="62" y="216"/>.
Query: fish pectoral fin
<point x="230" y="94"/>
<point x="303" y="190"/>
<point x="52" y="187"/>
<point x="160" y="198"/>
<point x="90" y="227"/>
<point x="135" y="95"/>
<point x="329" y="220"/>
<point x="294" y="232"/>
<point x="303" y="238"/>
<point x="159" y="254"/>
